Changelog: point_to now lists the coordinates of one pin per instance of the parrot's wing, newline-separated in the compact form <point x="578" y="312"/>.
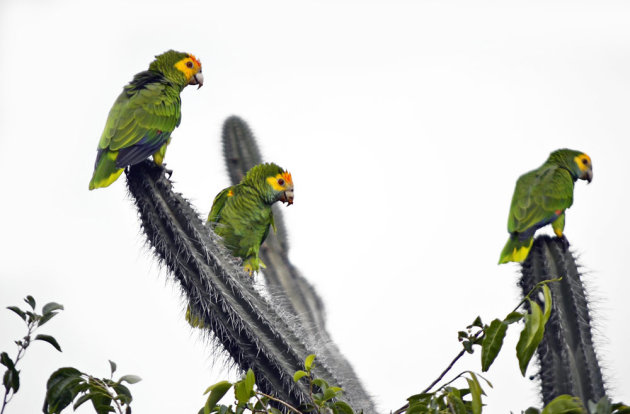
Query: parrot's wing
<point x="219" y="203"/>
<point x="142" y="117"/>
<point x="539" y="197"/>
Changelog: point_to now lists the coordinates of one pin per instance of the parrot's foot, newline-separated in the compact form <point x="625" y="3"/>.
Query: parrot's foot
<point x="167" y="171"/>
<point x="253" y="265"/>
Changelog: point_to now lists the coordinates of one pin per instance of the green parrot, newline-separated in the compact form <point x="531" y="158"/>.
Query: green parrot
<point x="241" y="214"/>
<point x="541" y="197"/>
<point x="144" y="115"/>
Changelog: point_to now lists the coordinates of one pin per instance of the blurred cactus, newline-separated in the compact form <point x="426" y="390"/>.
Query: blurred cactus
<point x="271" y="337"/>
<point x="241" y="153"/>
<point x="568" y="363"/>
<point x="293" y="296"/>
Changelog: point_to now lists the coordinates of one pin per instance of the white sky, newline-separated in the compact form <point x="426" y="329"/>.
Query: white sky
<point x="405" y="125"/>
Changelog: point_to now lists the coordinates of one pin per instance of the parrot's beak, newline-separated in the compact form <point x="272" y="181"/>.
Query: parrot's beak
<point x="587" y="175"/>
<point x="197" y="80"/>
<point x="287" y="196"/>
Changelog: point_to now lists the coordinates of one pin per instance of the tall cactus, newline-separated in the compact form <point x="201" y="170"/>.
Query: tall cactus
<point x="266" y="336"/>
<point x="568" y="363"/>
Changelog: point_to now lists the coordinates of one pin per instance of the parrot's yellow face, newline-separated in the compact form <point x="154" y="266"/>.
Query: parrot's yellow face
<point x="282" y="183"/>
<point x="191" y="68"/>
<point x="585" y="165"/>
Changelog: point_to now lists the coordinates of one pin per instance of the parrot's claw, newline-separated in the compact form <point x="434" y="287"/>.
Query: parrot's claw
<point x="565" y="242"/>
<point x="167" y="171"/>
<point x="248" y="268"/>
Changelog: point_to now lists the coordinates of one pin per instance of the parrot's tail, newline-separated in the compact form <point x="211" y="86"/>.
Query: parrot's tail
<point x="105" y="170"/>
<point x="516" y="250"/>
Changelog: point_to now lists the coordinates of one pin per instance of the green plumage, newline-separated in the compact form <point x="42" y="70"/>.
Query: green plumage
<point x="142" y="118"/>
<point x="241" y="214"/>
<point x="541" y="197"/>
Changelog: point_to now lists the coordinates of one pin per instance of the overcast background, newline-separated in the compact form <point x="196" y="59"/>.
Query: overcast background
<point x="405" y="125"/>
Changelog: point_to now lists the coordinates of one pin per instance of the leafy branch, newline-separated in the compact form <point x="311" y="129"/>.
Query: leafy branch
<point x="490" y="338"/>
<point x="33" y="320"/>
<point x="69" y="384"/>
<point x="322" y="396"/>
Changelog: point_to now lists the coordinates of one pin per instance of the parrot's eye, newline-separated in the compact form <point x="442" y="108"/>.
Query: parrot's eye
<point x="189" y="64"/>
<point x="584" y="161"/>
<point x="280" y="181"/>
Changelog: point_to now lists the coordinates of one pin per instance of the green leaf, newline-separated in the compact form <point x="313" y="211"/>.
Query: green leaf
<point x="46" y="318"/>
<point x="49" y="339"/>
<point x="31" y="301"/>
<point x="343" y="407"/>
<point x="131" y="379"/>
<point x="620" y="408"/>
<point x="417" y="408"/>
<point x="7" y="380"/>
<point x="547" y="296"/>
<point x="320" y="383"/>
<point x="112" y="367"/>
<point x="102" y="403"/>
<point x="50" y="307"/>
<point x="11" y="380"/>
<point x="81" y="400"/>
<point x="308" y="362"/>
<point x="244" y="389"/>
<point x="250" y="380"/>
<point x="17" y="310"/>
<point x="217" y="391"/>
<point x="532" y="410"/>
<point x="15" y="380"/>
<point x="424" y="397"/>
<point x="61" y="389"/>
<point x="123" y="393"/>
<point x="492" y="343"/>
<point x="6" y="360"/>
<point x="477" y="322"/>
<point x="475" y="393"/>
<point x="531" y="335"/>
<point x="513" y="317"/>
<point x="299" y="375"/>
<point x="564" y="404"/>
<point x="603" y="406"/>
<point x="329" y="394"/>
<point x="455" y="402"/>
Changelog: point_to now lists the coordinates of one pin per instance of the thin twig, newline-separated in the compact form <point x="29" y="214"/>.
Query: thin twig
<point x="438" y="379"/>
<point x="264" y="410"/>
<point x="289" y="406"/>
<point x="21" y="349"/>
